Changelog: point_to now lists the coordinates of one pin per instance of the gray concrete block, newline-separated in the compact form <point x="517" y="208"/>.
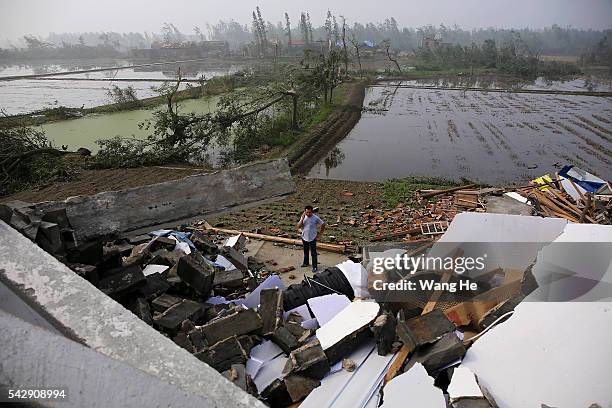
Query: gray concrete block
<point x="122" y="281"/>
<point x="172" y="318"/>
<point x="196" y="272"/>
<point x="237" y="323"/>
<point x="223" y="354"/>
<point x="441" y="353"/>
<point x="162" y="303"/>
<point x="271" y="310"/>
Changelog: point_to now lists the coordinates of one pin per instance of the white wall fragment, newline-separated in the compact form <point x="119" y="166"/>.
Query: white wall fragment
<point x="554" y="353"/>
<point x="352" y="318"/>
<point x="414" y="388"/>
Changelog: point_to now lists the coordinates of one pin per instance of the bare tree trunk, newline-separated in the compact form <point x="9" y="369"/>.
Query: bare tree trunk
<point x="170" y="96"/>
<point x="392" y="59"/>
<point x="358" y="59"/>
<point x="344" y="46"/>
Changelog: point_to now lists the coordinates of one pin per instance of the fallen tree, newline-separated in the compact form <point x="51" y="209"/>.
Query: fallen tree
<point x="29" y="160"/>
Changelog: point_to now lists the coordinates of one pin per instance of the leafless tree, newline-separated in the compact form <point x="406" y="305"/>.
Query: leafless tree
<point x="387" y="45"/>
<point x="355" y="43"/>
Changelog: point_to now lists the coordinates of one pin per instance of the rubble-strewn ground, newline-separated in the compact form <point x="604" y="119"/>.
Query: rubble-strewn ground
<point x="353" y="211"/>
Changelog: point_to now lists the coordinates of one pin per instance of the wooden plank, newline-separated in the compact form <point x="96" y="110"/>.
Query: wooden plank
<point x="436" y="295"/>
<point x="320" y="245"/>
<point x="448" y="190"/>
<point x="404" y="352"/>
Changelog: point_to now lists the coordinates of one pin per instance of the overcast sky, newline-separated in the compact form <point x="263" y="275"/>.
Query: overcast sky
<point x="39" y="17"/>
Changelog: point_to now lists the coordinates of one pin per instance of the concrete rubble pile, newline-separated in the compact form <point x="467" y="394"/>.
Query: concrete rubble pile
<point x="336" y="340"/>
<point x="323" y="342"/>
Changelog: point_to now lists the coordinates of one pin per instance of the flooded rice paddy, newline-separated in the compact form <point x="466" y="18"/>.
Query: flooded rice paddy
<point x="89" y="89"/>
<point x="493" y="137"/>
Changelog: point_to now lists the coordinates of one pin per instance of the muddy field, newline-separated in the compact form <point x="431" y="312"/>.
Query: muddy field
<point x="485" y="136"/>
<point x="89" y="182"/>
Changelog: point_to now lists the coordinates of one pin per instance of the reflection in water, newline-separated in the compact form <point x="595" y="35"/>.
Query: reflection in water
<point x="490" y="137"/>
<point x="79" y="89"/>
<point x="333" y="160"/>
<point x="586" y="83"/>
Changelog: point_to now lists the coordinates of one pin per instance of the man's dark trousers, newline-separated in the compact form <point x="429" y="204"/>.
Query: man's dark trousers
<point x="312" y="248"/>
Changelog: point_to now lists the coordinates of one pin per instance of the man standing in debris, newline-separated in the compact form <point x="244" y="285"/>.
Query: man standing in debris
<point x="308" y="223"/>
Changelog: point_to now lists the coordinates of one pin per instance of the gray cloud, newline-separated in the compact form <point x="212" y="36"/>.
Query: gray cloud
<point x="39" y="17"/>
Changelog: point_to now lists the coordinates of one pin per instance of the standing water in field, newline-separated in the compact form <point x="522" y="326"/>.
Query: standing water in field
<point x="26" y="95"/>
<point x="493" y="137"/>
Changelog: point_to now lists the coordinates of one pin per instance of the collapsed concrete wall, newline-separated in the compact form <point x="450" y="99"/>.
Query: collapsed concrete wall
<point x="113" y="212"/>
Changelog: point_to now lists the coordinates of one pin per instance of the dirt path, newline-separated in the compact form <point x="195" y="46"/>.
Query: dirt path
<point x="320" y="139"/>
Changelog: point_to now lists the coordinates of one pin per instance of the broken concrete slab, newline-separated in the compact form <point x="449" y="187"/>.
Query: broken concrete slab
<point x="271" y="310"/>
<point x="153" y="286"/>
<point x="384" y="329"/>
<point x="237" y="323"/>
<point x="164" y="302"/>
<point x="172" y="201"/>
<point x="347" y="329"/>
<point x="236" y="241"/>
<point x="236" y="258"/>
<point x="85" y="315"/>
<point x="228" y="279"/>
<point x="552" y="354"/>
<point x="172" y="318"/>
<point x="440" y="354"/>
<point x="223" y="354"/>
<point x="299" y="386"/>
<point x="196" y="272"/>
<point x="122" y="281"/>
<point x="309" y="360"/>
<point x="204" y="244"/>
<point x="424" y="329"/>
<point x="276" y="394"/>
<point x="507" y="205"/>
<point x="415" y="388"/>
<point x="464" y="391"/>
<point x="284" y="339"/>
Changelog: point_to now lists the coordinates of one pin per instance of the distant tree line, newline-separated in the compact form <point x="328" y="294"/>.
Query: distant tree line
<point x="554" y="40"/>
